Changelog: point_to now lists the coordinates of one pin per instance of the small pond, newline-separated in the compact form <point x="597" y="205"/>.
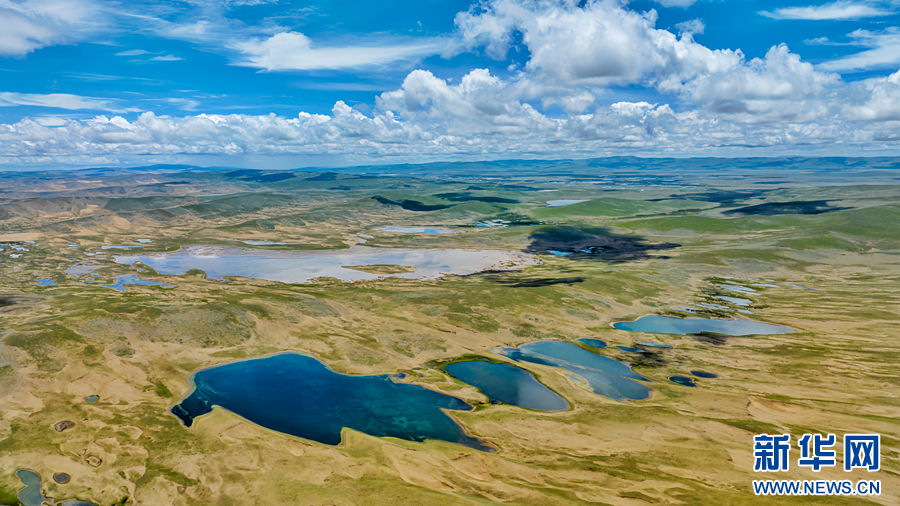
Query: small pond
<point x="298" y="395"/>
<point x="416" y="230"/>
<point x="46" y="282"/>
<point x="702" y="374"/>
<point x="606" y="377"/>
<point x="630" y="349"/>
<point x="655" y="345"/>
<point x="737" y="301"/>
<point x="657" y="324"/>
<point x="683" y="380"/>
<point x="508" y="384"/>
<point x="132" y="279"/>
<point x="560" y="203"/>
<point x="92" y="398"/>
<point x="304" y="266"/>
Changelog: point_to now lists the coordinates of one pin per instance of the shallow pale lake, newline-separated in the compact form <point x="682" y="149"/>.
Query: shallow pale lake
<point x="298" y="395"/>
<point x="657" y="324"/>
<point x="508" y="384"/>
<point x="304" y="266"/>
<point x="605" y="376"/>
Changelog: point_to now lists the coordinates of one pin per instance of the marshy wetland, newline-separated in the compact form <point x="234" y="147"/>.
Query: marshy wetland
<point x="259" y="355"/>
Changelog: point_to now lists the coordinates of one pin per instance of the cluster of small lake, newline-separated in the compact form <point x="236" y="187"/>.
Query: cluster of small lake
<point x="32" y="495"/>
<point x="304" y="266"/>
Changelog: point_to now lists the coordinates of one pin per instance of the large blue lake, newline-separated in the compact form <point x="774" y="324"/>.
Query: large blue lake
<point x="668" y="325"/>
<point x="606" y="377"/>
<point x="508" y="384"/>
<point x="298" y="395"/>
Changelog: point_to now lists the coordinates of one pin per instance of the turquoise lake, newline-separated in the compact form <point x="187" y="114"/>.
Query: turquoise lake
<point x="605" y="376"/>
<point x="669" y="325"/>
<point x="298" y="395"/>
<point x="508" y="384"/>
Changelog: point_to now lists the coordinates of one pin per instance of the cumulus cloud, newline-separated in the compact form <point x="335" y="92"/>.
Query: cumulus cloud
<point x="480" y="116"/>
<point x="597" y="43"/>
<point x="295" y="51"/>
<point x="843" y="9"/>
<point x="32" y="24"/>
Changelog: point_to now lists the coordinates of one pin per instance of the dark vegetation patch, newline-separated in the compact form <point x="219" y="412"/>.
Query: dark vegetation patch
<point x="325" y="176"/>
<point x="531" y="283"/>
<point x="583" y="242"/>
<point x="410" y="205"/>
<point x="719" y="196"/>
<point x="711" y="338"/>
<point x="258" y="176"/>
<point x="776" y="208"/>
<point x="466" y="197"/>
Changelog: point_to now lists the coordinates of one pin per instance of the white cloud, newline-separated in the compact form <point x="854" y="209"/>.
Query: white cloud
<point x="599" y="43"/>
<point x="777" y="87"/>
<point x="676" y="3"/>
<point x="694" y="26"/>
<point x="884" y="52"/>
<point x="133" y="52"/>
<point x="842" y="9"/>
<point x="168" y="57"/>
<point x="57" y="100"/>
<point x="26" y="26"/>
<point x="483" y="116"/>
<point x="295" y="51"/>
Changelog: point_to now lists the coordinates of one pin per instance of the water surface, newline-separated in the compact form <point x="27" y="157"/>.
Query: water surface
<point x="30" y="495"/>
<point x="119" y="282"/>
<point x="655" y="345"/>
<point x="560" y="203"/>
<point x="596" y="343"/>
<point x="92" y="398"/>
<point x="508" y="384"/>
<point x="46" y="282"/>
<point x="737" y="301"/>
<point x="669" y="325"/>
<point x="61" y="478"/>
<point x="703" y="374"/>
<point x="298" y="395"/>
<point x="683" y="380"/>
<point x="304" y="266"/>
<point x="630" y="349"/>
<point x="605" y="376"/>
<point x="416" y="230"/>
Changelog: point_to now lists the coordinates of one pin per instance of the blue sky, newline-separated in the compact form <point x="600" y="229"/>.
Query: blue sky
<point x="282" y="83"/>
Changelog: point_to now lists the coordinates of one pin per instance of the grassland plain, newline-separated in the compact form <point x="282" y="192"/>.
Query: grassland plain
<point x="136" y="349"/>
